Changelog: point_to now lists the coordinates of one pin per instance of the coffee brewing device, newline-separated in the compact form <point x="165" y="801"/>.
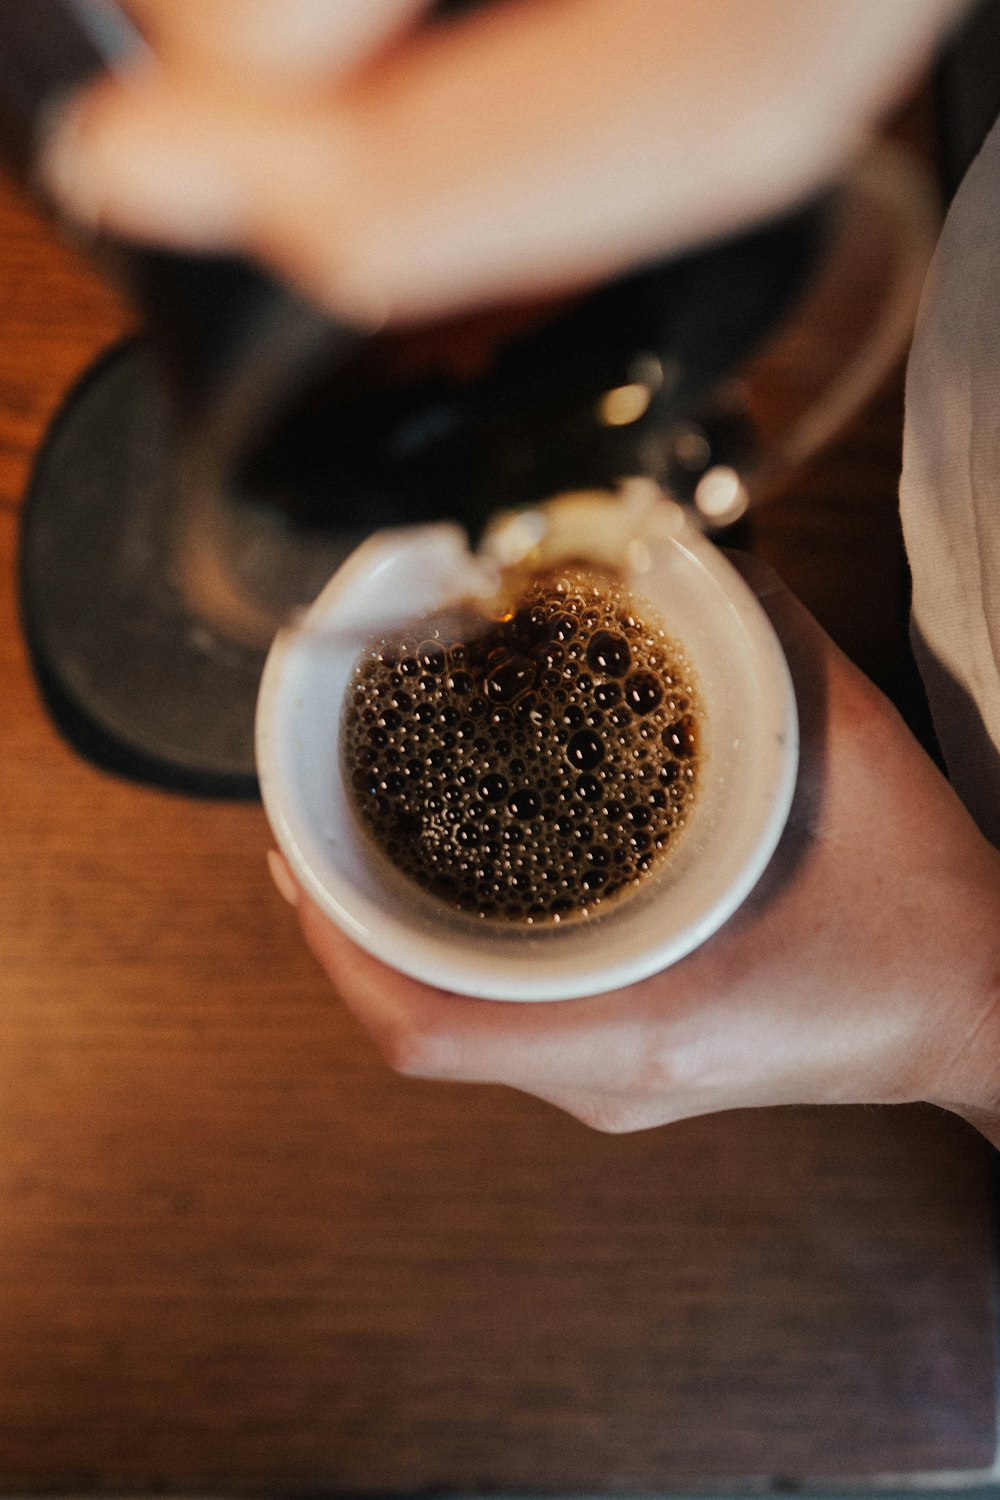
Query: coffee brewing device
<point x="204" y="479"/>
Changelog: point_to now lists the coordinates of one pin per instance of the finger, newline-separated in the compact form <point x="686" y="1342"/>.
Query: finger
<point x="758" y="574"/>
<point x="591" y="1044"/>
<point x="622" y="1114"/>
<point x="699" y="1039"/>
<point x="271" y="40"/>
<point x="611" y="1114"/>
<point x="531" y="146"/>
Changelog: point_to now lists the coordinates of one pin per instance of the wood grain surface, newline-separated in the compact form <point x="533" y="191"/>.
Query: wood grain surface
<point x="236" y="1254"/>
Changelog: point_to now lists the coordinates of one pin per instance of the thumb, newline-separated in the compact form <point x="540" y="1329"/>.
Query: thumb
<point x="756" y="573"/>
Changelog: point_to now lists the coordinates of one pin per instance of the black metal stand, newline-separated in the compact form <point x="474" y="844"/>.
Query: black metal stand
<point x="131" y="679"/>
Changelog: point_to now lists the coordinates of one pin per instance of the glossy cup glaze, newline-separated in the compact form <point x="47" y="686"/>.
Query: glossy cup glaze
<point x="747" y="767"/>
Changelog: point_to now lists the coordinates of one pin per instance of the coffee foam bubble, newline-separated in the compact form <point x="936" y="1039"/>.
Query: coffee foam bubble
<point x="532" y="770"/>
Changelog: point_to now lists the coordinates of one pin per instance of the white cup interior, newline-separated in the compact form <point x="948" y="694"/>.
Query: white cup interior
<point x="748" y="761"/>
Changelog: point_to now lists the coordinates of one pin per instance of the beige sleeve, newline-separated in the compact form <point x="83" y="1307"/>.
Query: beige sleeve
<point x="950" y="488"/>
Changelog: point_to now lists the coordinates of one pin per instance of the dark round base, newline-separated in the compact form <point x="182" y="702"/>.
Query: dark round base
<point x="133" y="682"/>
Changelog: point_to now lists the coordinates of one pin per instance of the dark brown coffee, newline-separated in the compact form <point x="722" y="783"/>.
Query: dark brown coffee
<point x="535" y="769"/>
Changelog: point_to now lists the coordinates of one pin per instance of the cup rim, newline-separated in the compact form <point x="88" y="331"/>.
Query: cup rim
<point x="537" y="965"/>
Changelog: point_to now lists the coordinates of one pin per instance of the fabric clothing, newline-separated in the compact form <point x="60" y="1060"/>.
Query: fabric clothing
<point x="950" y="488"/>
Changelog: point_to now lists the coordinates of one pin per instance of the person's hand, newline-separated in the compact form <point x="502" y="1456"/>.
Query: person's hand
<point x="863" y="968"/>
<point x="397" y="168"/>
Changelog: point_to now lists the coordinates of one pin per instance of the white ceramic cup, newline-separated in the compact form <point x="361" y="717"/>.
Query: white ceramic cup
<point x="748" y="750"/>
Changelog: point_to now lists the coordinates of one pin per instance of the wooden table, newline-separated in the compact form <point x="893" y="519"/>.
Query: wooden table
<point x="236" y="1254"/>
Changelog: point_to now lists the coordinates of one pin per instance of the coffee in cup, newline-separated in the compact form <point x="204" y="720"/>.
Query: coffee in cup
<point x="389" y="639"/>
<point x="533" y="768"/>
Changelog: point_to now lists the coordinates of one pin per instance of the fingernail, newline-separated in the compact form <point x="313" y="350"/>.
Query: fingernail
<point x="283" y="878"/>
<point x="141" y="166"/>
<point x="64" y="171"/>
